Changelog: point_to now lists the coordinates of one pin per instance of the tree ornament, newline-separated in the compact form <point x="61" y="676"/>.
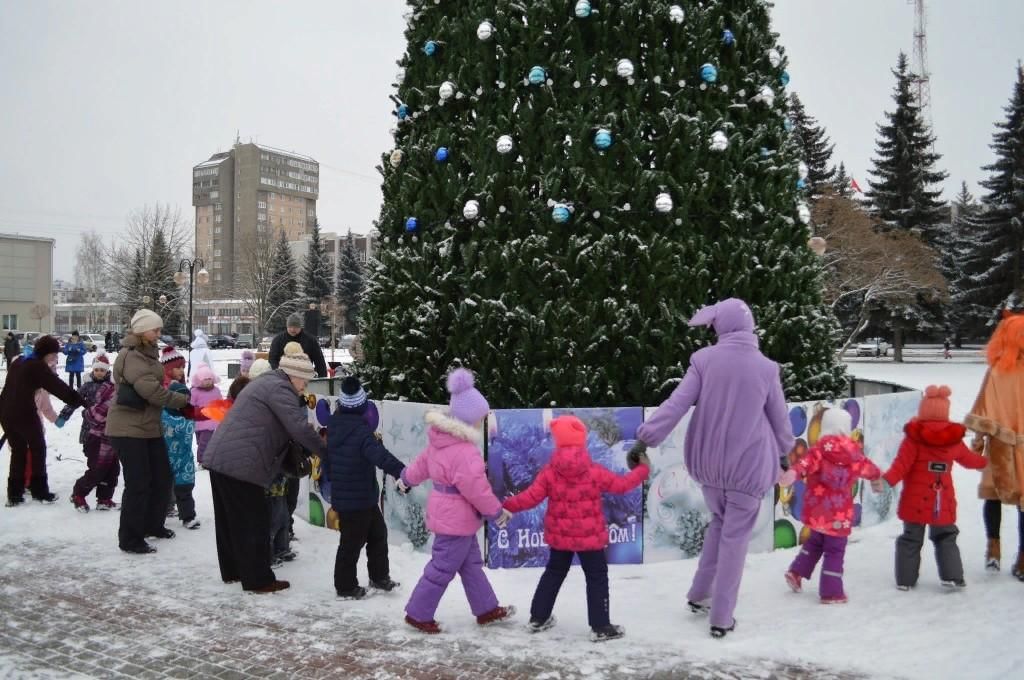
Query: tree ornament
<point x="817" y="245"/>
<point x="719" y="141"/>
<point x="400" y="76"/>
<point x="447" y="90"/>
<point x="676" y="14"/>
<point x="784" y="78"/>
<point x="602" y="139"/>
<point x="663" y="203"/>
<point x="485" y="30"/>
<point x="708" y="73"/>
<point x="767" y="95"/>
<point x="396" y="158"/>
<point x="774" y="58"/>
<point x="624" y="68"/>
<point x="429" y="48"/>
<point x="412" y="224"/>
<point x="583" y="9"/>
<point x="728" y="38"/>
<point x="787" y="124"/>
<point x="801" y="184"/>
<point x="504" y="144"/>
<point x="765" y="153"/>
<point x="441" y="155"/>
<point x="471" y="210"/>
<point x="802" y="170"/>
<point x="403" y="112"/>
<point x="537" y="75"/>
<point x="804" y="213"/>
<point x="560" y="213"/>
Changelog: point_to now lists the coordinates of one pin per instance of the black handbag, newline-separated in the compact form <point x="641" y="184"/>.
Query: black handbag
<point x="296" y="462"/>
<point x="127" y="396"/>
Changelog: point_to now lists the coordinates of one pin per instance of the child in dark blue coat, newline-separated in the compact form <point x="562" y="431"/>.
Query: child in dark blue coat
<point x="74" y="349"/>
<point x="354" y="453"/>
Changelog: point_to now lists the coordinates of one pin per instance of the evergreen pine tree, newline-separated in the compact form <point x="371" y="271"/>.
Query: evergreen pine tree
<point x="961" y="317"/>
<point x="815" y="146"/>
<point x="316" y="270"/>
<point x="566" y="191"/>
<point x="993" y="240"/>
<point x="902" y="193"/>
<point x="284" y="297"/>
<point x="841" y="182"/>
<point x="159" y="281"/>
<point x="131" y="290"/>
<point x="350" y="284"/>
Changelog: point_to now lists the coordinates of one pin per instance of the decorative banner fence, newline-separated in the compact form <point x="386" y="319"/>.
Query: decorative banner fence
<point x="663" y="521"/>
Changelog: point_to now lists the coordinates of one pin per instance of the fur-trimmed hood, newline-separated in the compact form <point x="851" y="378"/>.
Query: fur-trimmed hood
<point x="939" y="433"/>
<point x="445" y="430"/>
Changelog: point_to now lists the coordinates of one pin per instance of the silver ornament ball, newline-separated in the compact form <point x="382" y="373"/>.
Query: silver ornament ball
<point x="504" y="144"/>
<point x="485" y="30"/>
<point x="663" y="203"/>
<point x="471" y="210"/>
<point x="624" y="68"/>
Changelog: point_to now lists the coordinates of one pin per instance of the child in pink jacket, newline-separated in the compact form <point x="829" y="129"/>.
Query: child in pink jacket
<point x="461" y="497"/>
<point x="204" y="391"/>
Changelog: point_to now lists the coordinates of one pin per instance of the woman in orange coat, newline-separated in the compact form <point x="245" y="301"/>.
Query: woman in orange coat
<point x="997" y="418"/>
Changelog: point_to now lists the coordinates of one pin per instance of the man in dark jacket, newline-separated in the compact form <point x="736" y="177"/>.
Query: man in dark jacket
<point x="353" y="455"/>
<point x="310" y="345"/>
<point x="11" y="348"/>
<point x="20" y="419"/>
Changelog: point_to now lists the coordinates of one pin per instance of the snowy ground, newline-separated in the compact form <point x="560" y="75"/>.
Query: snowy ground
<point x="173" y="610"/>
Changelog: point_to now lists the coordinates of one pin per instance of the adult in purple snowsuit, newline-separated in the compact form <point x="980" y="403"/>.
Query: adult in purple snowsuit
<point x="738" y="430"/>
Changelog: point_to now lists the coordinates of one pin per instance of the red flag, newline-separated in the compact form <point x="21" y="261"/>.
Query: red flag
<point x="855" y="186"/>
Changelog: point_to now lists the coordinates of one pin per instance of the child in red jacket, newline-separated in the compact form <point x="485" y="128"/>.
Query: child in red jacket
<point x="925" y="466"/>
<point x="574" y="523"/>
<point x="831" y="467"/>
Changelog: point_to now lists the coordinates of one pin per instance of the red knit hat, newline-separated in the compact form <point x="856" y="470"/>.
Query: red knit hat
<point x="935" y="403"/>
<point x="568" y="431"/>
<point x="171" y="357"/>
<point x="101" y="361"/>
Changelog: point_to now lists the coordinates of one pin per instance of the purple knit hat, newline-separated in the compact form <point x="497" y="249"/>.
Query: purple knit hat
<point x="467" y="404"/>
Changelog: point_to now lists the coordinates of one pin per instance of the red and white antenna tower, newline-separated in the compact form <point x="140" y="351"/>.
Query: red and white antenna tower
<point x="922" y="76"/>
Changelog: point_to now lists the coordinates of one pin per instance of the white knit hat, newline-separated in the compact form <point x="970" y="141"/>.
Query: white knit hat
<point x="146" y="320"/>
<point x="295" y="363"/>
<point x="836" y="421"/>
<point x="258" y="368"/>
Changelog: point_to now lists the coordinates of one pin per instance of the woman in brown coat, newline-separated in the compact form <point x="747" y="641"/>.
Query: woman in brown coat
<point x="997" y="418"/>
<point x="133" y="426"/>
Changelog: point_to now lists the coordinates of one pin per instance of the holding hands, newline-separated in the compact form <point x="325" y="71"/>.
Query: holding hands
<point x="638" y="455"/>
<point x="787" y="478"/>
<point x="503" y="518"/>
<point x="401" y="486"/>
<point x="878" y="485"/>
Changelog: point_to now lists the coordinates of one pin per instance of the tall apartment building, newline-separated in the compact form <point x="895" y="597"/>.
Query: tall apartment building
<point x="243" y="199"/>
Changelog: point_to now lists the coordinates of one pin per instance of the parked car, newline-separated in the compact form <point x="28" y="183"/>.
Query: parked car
<point x="243" y="342"/>
<point x="873" y="347"/>
<point x="93" y="341"/>
<point x="221" y="342"/>
<point x="181" y="341"/>
<point x="265" y="344"/>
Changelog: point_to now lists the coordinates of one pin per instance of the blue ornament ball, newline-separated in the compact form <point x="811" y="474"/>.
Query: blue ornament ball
<point x="801" y="184"/>
<point x="441" y="155"/>
<point x="787" y="125"/>
<point x="708" y="73"/>
<point x="765" y="153"/>
<point x="728" y="38"/>
<point x="412" y="224"/>
<point x="429" y="48"/>
<point x="560" y="214"/>
<point x="602" y="139"/>
<point x="403" y="112"/>
<point x="583" y="9"/>
<point x="784" y="78"/>
<point x="537" y="75"/>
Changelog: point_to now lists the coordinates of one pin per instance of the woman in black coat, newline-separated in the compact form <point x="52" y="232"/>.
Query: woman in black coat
<point x="11" y="348"/>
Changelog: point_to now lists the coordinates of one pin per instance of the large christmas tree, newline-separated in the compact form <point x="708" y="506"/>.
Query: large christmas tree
<point x="570" y="181"/>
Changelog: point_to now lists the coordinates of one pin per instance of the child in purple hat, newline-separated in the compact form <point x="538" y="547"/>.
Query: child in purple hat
<point x="738" y="430"/>
<point x="461" y="497"/>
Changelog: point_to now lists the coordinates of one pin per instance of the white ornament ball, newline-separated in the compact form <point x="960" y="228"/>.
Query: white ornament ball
<point x="504" y="144"/>
<point x="767" y="96"/>
<point x="583" y="9"/>
<point x="485" y="30"/>
<point x="719" y="141"/>
<point x="400" y="76"/>
<point x="447" y="90"/>
<point x="676" y="14"/>
<point x="396" y="158"/>
<point x="624" y="68"/>
<point x="802" y="170"/>
<point x="471" y="210"/>
<point x="774" y="58"/>
<point x="804" y="213"/>
<point x="663" y="203"/>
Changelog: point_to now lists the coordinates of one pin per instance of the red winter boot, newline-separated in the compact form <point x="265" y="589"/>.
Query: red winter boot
<point x="495" y="615"/>
<point x="428" y="627"/>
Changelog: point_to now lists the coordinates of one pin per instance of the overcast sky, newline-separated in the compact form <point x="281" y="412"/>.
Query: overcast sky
<point x="105" y="105"/>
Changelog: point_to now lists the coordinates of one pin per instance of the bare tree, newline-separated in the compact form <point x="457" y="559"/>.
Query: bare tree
<point x="39" y="312"/>
<point x="92" y="269"/>
<point x="869" y="269"/>
<point x="259" y="283"/>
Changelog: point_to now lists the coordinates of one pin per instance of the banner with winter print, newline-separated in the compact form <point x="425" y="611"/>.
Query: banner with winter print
<point x="676" y="516"/>
<point x="805" y="419"/>
<point x="519" y="446"/>
<point x="404" y="434"/>
<point x="885" y="415"/>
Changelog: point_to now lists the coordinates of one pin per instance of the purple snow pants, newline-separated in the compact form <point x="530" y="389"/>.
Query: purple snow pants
<point x="834" y="549"/>
<point x="733" y="515"/>
<point x="452" y="555"/>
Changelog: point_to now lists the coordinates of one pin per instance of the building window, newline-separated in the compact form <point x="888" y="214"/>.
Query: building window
<point x="216" y="230"/>
<point x="216" y="253"/>
<point x="262" y="205"/>
<point x="216" y="206"/>
<point x="216" y="265"/>
<point x="215" y="194"/>
<point x="311" y="213"/>
<point x="216" y="277"/>
<point x="260" y="217"/>
<point x="218" y="219"/>
<point x="10" y="321"/>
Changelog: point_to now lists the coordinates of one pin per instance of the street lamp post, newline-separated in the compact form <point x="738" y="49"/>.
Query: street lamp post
<point x="180" y="277"/>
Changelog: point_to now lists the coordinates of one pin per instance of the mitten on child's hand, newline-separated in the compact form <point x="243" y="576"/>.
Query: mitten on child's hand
<point x="60" y="422"/>
<point x="978" y="443"/>
<point x="633" y="457"/>
<point x="503" y="518"/>
<point x="642" y="459"/>
<point x="787" y="478"/>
